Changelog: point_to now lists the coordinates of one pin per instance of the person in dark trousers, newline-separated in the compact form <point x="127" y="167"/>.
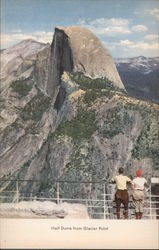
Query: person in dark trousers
<point x="121" y="195"/>
<point x="139" y="184"/>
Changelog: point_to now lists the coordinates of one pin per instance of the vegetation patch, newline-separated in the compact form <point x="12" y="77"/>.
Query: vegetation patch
<point x="116" y="121"/>
<point x="16" y="125"/>
<point x="147" y="144"/>
<point x="95" y="88"/>
<point x="91" y="95"/>
<point x="77" y="160"/>
<point x="22" y="86"/>
<point x="86" y="82"/>
<point x="80" y="127"/>
<point x="143" y="109"/>
<point x="36" y="107"/>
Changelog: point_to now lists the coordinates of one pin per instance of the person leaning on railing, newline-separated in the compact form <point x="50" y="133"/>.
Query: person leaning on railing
<point x="139" y="184"/>
<point x="121" y="195"/>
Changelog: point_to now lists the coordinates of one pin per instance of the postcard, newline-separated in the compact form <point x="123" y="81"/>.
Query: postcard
<point x="79" y="126"/>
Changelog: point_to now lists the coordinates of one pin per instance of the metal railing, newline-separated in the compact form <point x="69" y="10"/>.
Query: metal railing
<point x="102" y="206"/>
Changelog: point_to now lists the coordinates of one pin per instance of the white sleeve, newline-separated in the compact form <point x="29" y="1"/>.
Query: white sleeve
<point x="129" y="180"/>
<point x="113" y="179"/>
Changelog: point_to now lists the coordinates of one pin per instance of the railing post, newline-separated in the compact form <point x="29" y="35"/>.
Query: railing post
<point x="58" y="193"/>
<point x="104" y="201"/>
<point x="31" y="197"/>
<point x="150" y="203"/>
<point x="17" y="191"/>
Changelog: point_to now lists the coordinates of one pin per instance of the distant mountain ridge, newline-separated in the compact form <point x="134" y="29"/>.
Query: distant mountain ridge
<point x="140" y="76"/>
<point x="140" y="63"/>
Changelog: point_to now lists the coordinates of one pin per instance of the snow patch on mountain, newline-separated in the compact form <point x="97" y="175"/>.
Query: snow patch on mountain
<point x="143" y="64"/>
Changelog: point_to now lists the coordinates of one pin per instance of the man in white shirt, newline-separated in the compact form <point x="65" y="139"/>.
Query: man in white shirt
<point x="138" y="193"/>
<point x="121" y="195"/>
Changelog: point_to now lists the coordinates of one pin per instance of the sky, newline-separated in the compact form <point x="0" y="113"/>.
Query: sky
<point x="127" y="28"/>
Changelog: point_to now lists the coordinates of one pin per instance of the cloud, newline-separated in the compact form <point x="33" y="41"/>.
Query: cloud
<point x="44" y="37"/>
<point x="116" y="30"/>
<point x="107" y="27"/>
<point x="139" y="28"/>
<point x="145" y="46"/>
<point x="154" y="12"/>
<point x="103" y="22"/>
<point x="148" y="49"/>
<point x="125" y="42"/>
<point x="140" y="45"/>
<point x="111" y="27"/>
<point x="10" y="39"/>
<point x="127" y="48"/>
<point x="17" y="31"/>
<point x="152" y="37"/>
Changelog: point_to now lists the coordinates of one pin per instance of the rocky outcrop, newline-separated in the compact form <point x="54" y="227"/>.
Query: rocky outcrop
<point x="41" y="69"/>
<point x="23" y="66"/>
<point x="45" y="209"/>
<point x="75" y="49"/>
<point x="26" y="115"/>
<point x="19" y="61"/>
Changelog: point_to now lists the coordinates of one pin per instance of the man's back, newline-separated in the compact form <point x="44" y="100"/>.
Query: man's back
<point x="121" y="181"/>
<point x="121" y="195"/>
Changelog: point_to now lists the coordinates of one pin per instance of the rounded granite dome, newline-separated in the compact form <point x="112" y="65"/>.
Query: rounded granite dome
<point x="89" y="55"/>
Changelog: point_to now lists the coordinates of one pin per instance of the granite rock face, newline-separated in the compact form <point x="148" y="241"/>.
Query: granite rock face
<point x="41" y="69"/>
<point x="26" y="113"/>
<point x="18" y="61"/>
<point x="76" y="49"/>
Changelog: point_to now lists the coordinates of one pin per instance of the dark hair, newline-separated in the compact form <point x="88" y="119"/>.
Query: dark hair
<point x="121" y="170"/>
